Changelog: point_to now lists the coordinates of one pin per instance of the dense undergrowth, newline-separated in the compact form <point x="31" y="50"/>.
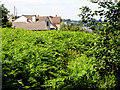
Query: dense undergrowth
<point x="58" y="60"/>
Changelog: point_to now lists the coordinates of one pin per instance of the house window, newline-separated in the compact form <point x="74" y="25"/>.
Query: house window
<point x="47" y="23"/>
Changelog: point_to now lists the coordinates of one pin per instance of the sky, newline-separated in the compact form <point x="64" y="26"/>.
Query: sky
<point x="67" y="9"/>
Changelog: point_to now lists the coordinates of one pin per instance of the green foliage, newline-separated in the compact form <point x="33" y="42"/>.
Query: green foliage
<point x="63" y="59"/>
<point x="86" y="14"/>
<point x="9" y="24"/>
<point x="112" y="15"/>
<point x="105" y="49"/>
<point x="106" y="53"/>
<point x="4" y="15"/>
<point x="110" y="12"/>
<point x="69" y="27"/>
<point x="62" y="26"/>
<point x="76" y="28"/>
<point x="80" y="75"/>
<point x="60" y="59"/>
<point x="31" y="58"/>
<point x="92" y="27"/>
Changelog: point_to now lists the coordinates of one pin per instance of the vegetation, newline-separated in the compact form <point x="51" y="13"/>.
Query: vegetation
<point x="111" y="15"/>
<point x="5" y="22"/>
<point x="72" y="22"/>
<point x="69" y="27"/>
<point x="64" y="59"/>
<point x="59" y="60"/>
<point x="34" y="59"/>
<point x="106" y="48"/>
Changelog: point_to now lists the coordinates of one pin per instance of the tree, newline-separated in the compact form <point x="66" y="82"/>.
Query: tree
<point x="62" y="26"/>
<point x="4" y="15"/>
<point x="111" y="15"/>
<point x="105" y="49"/>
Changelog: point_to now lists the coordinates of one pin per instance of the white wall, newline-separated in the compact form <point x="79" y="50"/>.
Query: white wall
<point x="33" y="19"/>
<point x="21" y="19"/>
<point x="51" y="26"/>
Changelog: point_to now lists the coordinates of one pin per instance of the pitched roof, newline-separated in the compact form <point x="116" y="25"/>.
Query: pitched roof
<point x="41" y="18"/>
<point x="55" y="20"/>
<point x="31" y="26"/>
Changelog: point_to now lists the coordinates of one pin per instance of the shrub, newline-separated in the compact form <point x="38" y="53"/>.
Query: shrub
<point x="9" y="24"/>
<point x="31" y="58"/>
<point x="64" y="27"/>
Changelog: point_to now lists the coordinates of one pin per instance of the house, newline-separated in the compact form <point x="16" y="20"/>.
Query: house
<point x="55" y="20"/>
<point x="33" y="22"/>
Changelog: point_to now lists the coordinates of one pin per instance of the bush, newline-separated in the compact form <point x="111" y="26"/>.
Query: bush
<point x="9" y="24"/>
<point x="92" y="27"/>
<point x="76" y="28"/>
<point x="106" y="53"/>
<point x="79" y="74"/>
<point x="60" y="59"/>
<point x="30" y="59"/>
<point x="64" y="27"/>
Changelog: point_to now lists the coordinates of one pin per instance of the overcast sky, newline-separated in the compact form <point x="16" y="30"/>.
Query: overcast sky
<point x="67" y="9"/>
